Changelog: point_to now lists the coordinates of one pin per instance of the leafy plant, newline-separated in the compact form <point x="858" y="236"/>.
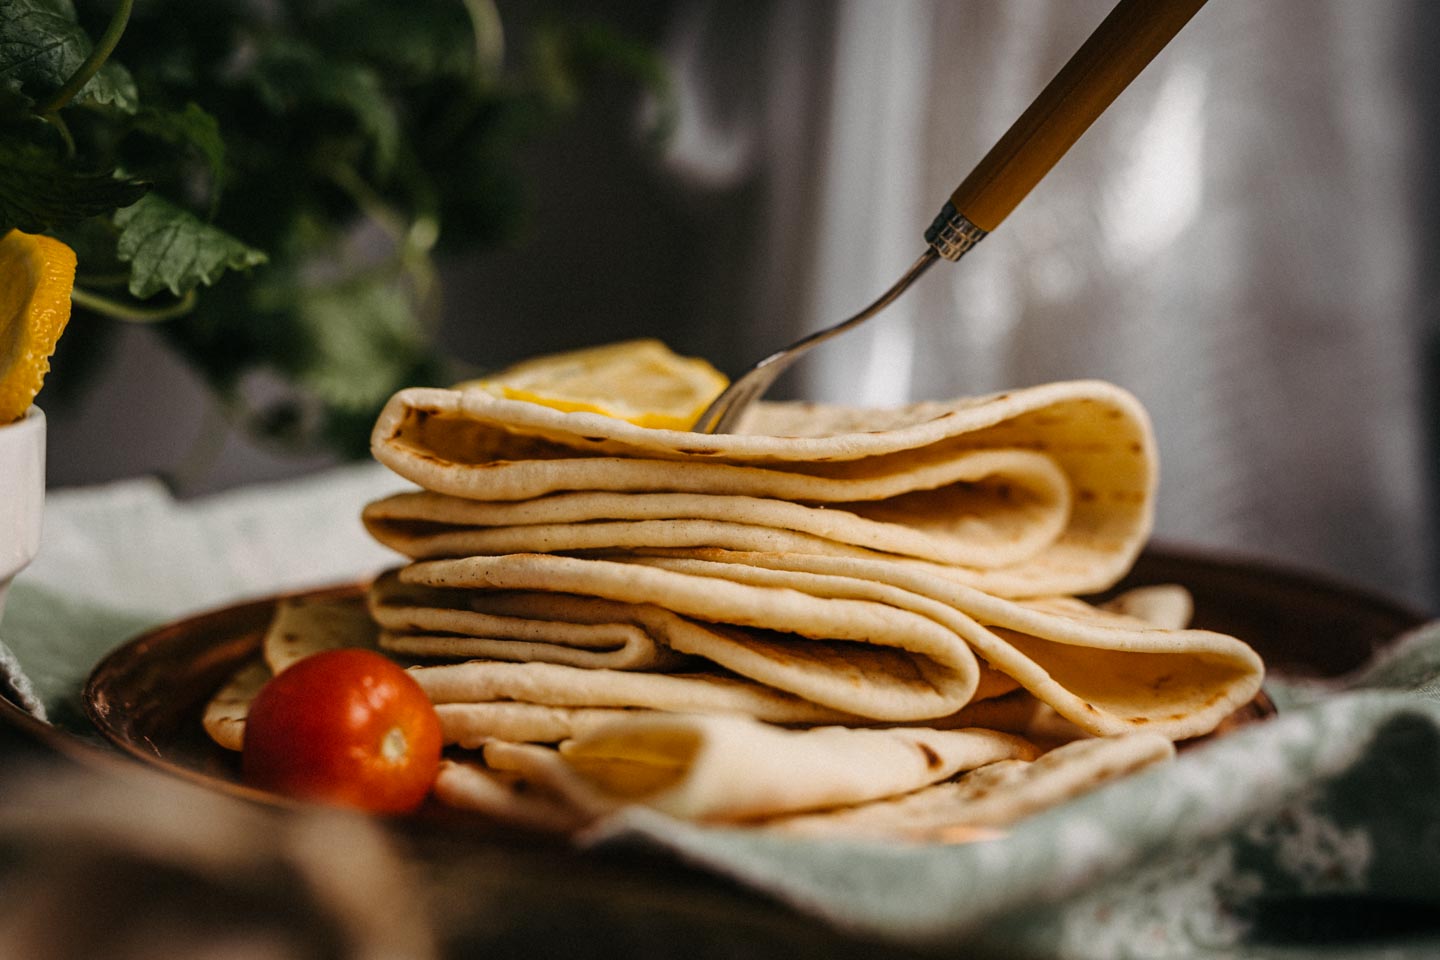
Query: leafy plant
<point x="271" y="181"/>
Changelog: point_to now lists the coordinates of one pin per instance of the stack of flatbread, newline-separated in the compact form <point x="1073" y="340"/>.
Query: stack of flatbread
<point x="821" y="623"/>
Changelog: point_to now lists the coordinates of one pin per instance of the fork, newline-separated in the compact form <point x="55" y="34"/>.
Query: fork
<point x="1124" y="42"/>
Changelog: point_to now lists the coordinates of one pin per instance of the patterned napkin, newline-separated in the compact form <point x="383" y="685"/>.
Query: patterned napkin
<point x="1315" y="834"/>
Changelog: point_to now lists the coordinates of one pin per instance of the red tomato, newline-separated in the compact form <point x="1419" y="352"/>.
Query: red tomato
<point x="347" y="727"/>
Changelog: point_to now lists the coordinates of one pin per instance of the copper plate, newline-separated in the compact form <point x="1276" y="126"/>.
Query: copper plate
<point x="147" y="696"/>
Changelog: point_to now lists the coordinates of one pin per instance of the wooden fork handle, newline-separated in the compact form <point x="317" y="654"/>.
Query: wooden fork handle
<point x="1126" y="40"/>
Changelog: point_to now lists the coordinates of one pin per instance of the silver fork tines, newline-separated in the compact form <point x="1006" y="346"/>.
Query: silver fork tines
<point x="725" y="412"/>
<point x="950" y="236"/>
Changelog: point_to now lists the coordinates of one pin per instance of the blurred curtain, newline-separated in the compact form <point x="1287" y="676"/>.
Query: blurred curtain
<point x="1237" y="240"/>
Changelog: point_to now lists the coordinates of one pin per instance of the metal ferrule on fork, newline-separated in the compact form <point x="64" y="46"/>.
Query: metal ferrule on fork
<point x="951" y="234"/>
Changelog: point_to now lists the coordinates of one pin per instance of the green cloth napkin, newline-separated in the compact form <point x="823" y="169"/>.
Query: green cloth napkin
<point x="1316" y="834"/>
<point x="118" y="559"/>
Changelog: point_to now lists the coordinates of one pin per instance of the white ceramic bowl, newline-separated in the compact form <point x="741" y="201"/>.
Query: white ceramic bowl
<point x="22" y="494"/>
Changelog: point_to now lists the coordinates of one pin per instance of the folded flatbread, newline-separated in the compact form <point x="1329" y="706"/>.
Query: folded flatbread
<point x="995" y="795"/>
<point x="894" y="784"/>
<point x="879" y="563"/>
<point x="306" y="625"/>
<point x="1036" y="492"/>
<point x="733" y="768"/>
<point x="856" y="655"/>
<point x="524" y="626"/>
<point x="225" y="712"/>
<point x="546" y="702"/>
<point x="300" y="626"/>
<point x="888" y="643"/>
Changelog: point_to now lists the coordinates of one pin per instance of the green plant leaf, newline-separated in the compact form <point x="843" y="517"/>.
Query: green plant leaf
<point x="169" y="248"/>
<point x="40" y="191"/>
<point x="366" y="344"/>
<point x="362" y="336"/>
<point x="413" y="42"/>
<point x="334" y="114"/>
<point x="93" y="241"/>
<point x="113" y="86"/>
<point x="342" y="348"/>
<point x="42" y="44"/>
<point x="194" y="128"/>
<point x="14" y="104"/>
<point x="293" y="79"/>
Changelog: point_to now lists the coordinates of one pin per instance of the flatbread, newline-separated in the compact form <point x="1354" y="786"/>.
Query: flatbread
<point x="993" y="796"/>
<point x="1167" y="605"/>
<point x="502" y="703"/>
<point x="473" y="724"/>
<point x="524" y="771"/>
<point x="303" y="626"/>
<point x="993" y="509"/>
<point x="486" y="682"/>
<point x="716" y="768"/>
<point x="1106" y="671"/>
<point x="1035" y="492"/>
<point x="550" y="789"/>
<point x="523" y="626"/>
<point x="883" y="642"/>
<point x="504" y="796"/>
<point x="225" y="712"/>
<point x="858" y="656"/>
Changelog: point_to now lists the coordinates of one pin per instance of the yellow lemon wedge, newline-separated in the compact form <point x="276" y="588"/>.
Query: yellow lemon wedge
<point x="36" y="277"/>
<point x="641" y="381"/>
